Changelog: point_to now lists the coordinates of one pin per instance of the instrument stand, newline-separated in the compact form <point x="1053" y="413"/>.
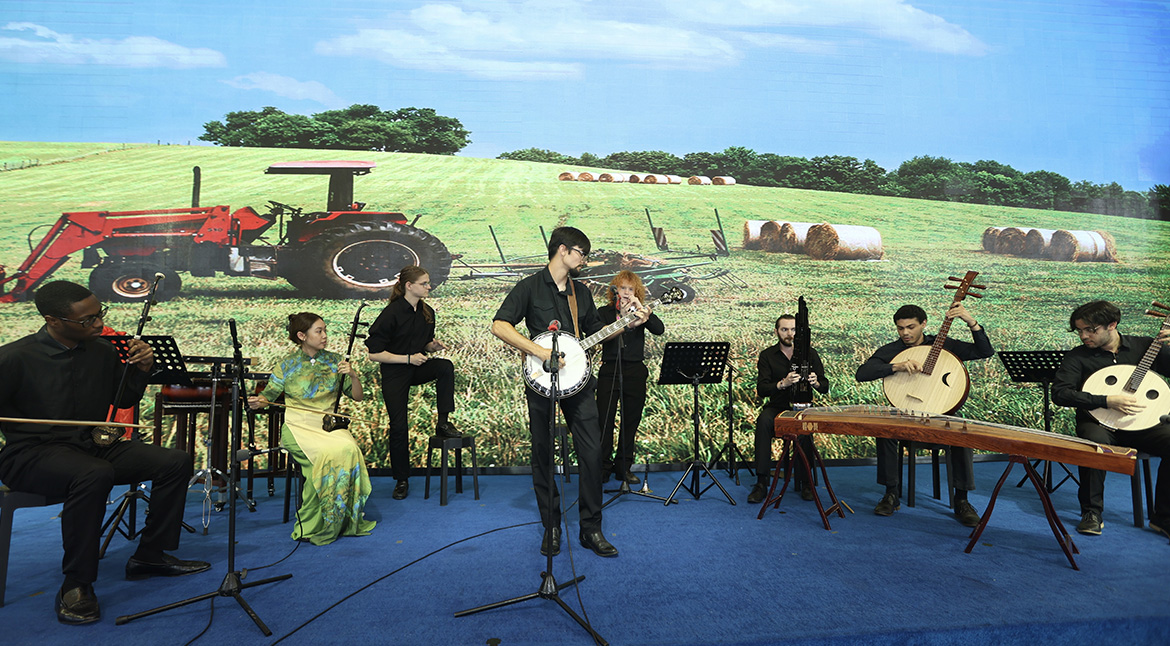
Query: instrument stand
<point x="231" y="585"/>
<point x="209" y="473"/>
<point x="1038" y="366"/>
<point x="695" y="363"/>
<point x="1058" y="530"/>
<point x="788" y="443"/>
<point x="549" y="588"/>
<point x="624" y="489"/>
<point x="734" y="455"/>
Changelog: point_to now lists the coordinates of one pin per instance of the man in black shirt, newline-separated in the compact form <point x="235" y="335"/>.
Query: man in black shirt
<point x="1101" y="345"/>
<point x="908" y="320"/>
<point x="776" y="377"/>
<point x="66" y="371"/>
<point x="538" y="300"/>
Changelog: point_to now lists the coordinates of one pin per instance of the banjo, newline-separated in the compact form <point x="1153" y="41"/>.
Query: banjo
<point x="943" y="384"/>
<point x="1124" y="379"/>
<point x="578" y="366"/>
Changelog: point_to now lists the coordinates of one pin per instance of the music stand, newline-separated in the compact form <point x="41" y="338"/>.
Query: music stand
<point x="1038" y="366"/>
<point x="694" y="363"/>
<point x="734" y="455"/>
<point x="168" y="364"/>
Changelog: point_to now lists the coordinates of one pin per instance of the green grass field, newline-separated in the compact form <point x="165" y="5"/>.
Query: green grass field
<point x="1026" y="305"/>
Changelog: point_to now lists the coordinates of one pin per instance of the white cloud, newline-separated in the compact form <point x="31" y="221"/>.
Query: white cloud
<point x="790" y="43"/>
<point x="287" y="87"/>
<point x="48" y="46"/>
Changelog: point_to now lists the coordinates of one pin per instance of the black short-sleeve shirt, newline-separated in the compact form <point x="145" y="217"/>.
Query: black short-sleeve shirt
<point x="537" y="301"/>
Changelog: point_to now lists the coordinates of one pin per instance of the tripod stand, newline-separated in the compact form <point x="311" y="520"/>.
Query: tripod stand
<point x="231" y="585"/>
<point x="1038" y="366"/>
<point x="734" y="455"/>
<point x="549" y="588"/>
<point x="208" y="473"/>
<point x="695" y="363"/>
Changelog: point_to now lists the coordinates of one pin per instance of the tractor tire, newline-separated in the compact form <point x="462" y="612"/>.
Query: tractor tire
<point x="657" y="288"/>
<point x="129" y="281"/>
<point x="363" y="259"/>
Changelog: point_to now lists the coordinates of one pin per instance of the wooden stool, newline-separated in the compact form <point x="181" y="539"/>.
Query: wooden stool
<point x="456" y="444"/>
<point x="10" y="501"/>
<point x="186" y="403"/>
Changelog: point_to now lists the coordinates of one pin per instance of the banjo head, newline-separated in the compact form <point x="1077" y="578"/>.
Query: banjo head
<point x="570" y="379"/>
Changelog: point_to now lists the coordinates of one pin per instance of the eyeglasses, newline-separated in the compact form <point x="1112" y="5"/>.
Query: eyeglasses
<point x="426" y="284"/>
<point x="89" y="320"/>
<point x="1080" y="331"/>
<point x="584" y="256"/>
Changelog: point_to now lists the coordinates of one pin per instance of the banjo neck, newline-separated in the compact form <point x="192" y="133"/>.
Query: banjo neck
<point x="603" y="333"/>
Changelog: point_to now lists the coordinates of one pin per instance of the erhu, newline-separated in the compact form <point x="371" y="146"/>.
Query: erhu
<point x="105" y="435"/>
<point x="332" y="422"/>
<point x="802" y="346"/>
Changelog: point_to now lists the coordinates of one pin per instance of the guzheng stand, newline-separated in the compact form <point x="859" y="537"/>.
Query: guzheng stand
<point x="1038" y="366"/>
<point x="694" y="363"/>
<point x="788" y="444"/>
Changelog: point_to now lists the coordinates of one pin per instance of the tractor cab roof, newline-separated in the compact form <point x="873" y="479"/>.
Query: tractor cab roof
<point x="341" y="174"/>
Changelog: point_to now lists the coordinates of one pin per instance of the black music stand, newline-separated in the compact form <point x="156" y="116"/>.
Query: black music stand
<point x="168" y="363"/>
<point x="734" y="455"/>
<point x="1038" y="366"/>
<point x="694" y="363"/>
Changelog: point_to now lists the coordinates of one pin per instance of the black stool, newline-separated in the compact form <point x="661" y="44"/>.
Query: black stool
<point x="10" y="501"/>
<point x="911" y="450"/>
<point x="456" y="444"/>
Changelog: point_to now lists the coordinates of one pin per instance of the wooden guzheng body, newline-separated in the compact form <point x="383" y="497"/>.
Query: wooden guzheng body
<point x="895" y="423"/>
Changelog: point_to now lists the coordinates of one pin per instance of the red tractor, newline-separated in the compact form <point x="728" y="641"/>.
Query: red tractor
<point x="343" y="252"/>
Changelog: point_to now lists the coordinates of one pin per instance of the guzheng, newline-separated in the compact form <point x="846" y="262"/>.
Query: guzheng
<point x="896" y="423"/>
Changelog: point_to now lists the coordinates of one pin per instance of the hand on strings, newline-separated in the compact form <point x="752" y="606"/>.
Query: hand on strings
<point x="258" y="401"/>
<point x="141" y="354"/>
<point x="959" y="311"/>
<point x="544" y="354"/>
<point x="1163" y="336"/>
<point x="909" y="366"/>
<point x="346" y="368"/>
<point x="1126" y="404"/>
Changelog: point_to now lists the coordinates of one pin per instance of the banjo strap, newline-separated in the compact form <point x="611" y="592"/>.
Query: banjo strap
<point x="573" y="309"/>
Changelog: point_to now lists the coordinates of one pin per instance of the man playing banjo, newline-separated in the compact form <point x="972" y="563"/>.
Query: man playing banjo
<point x="547" y="296"/>
<point x="1101" y="347"/>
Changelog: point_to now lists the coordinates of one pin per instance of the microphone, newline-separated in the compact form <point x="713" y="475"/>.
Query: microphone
<point x="554" y="325"/>
<point x="553" y="364"/>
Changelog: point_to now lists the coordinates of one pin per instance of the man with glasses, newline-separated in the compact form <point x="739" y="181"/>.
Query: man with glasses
<point x="63" y="372"/>
<point x="1101" y="345"/>
<point x="538" y="300"/>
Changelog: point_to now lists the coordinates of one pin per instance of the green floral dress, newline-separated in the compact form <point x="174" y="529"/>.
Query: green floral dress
<point x="337" y="484"/>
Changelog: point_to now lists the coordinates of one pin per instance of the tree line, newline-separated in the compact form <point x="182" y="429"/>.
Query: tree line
<point x="358" y="127"/>
<point x="928" y="178"/>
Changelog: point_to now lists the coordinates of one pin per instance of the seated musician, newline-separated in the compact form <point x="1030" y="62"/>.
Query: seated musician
<point x="776" y="380"/>
<point x="337" y="484"/>
<point x="1102" y="345"/>
<point x="909" y="320"/>
<point x="66" y="372"/>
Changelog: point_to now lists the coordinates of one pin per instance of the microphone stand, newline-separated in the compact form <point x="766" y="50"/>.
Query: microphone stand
<point x="549" y="588"/>
<point x="231" y="585"/>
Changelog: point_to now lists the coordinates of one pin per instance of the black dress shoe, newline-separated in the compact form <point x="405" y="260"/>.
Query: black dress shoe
<point x="166" y="566"/>
<point x="630" y="478"/>
<point x="401" y="489"/>
<point x="447" y="429"/>
<point x="759" y="492"/>
<point x="887" y="505"/>
<point x="78" y="606"/>
<point x="966" y="514"/>
<point x="595" y="540"/>
<point x="553" y="545"/>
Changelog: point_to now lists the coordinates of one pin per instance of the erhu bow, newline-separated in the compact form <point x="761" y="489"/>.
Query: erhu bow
<point x="334" y="421"/>
<point x="107" y="434"/>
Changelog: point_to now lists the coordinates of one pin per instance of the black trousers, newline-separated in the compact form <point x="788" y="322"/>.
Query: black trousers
<point x="84" y="476"/>
<point x="1155" y="441"/>
<point x="396" y="382"/>
<point x="628" y="387"/>
<point x="580" y="412"/>
<point x="960" y="466"/>
<point x="765" y="434"/>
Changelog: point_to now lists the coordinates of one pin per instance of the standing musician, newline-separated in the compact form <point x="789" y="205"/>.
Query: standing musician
<point x="623" y="380"/>
<point x="400" y="339"/>
<point x="538" y="300"/>
<point x="775" y="382"/>
<point x="337" y="484"/>
<point x="1102" y="345"/>
<point x="908" y="320"/>
<point x="66" y="371"/>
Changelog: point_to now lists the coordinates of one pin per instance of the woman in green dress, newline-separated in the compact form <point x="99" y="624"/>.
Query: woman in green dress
<point x="336" y="482"/>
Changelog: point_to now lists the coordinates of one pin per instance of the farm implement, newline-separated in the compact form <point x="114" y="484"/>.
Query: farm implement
<point x="342" y="252"/>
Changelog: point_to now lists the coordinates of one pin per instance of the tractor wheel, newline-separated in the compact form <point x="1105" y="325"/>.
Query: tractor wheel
<point x="659" y="287"/>
<point x="129" y="281"/>
<point x="362" y="259"/>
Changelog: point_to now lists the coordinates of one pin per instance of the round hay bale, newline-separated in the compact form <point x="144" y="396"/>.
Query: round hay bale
<point x="751" y="233"/>
<point x="1010" y="241"/>
<point x="843" y="242"/>
<point x="1036" y="242"/>
<point x="586" y="176"/>
<point x="770" y="236"/>
<point x="673" y="179"/>
<point x="989" y="236"/>
<point x="1082" y="246"/>
<point x="567" y="176"/>
<point x="699" y="180"/>
<point x="655" y="179"/>
<point x="723" y="180"/>
<point x="793" y="236"/>
<point x="634" y="179"/>
<point x="616" y="178"/>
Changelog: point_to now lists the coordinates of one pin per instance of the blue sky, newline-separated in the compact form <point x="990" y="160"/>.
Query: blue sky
<point x="1079" y="87"/>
